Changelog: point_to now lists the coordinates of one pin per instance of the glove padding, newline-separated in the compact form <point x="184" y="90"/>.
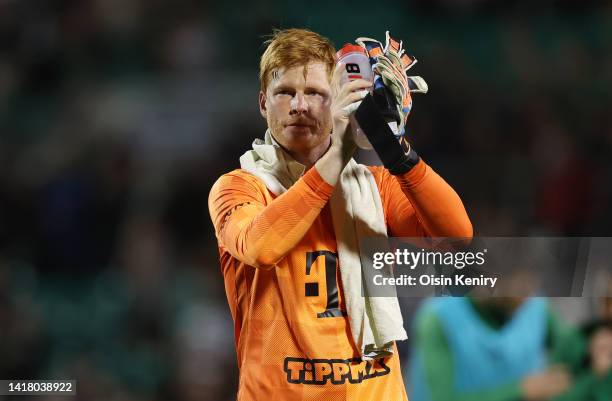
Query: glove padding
<point x="382" y="115"/>
<point x="390" y="65"/>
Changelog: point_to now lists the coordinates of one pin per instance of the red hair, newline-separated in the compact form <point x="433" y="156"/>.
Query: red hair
<point x="294" y="47"/>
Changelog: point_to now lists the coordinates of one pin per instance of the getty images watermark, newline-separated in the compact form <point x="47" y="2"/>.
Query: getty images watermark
<point x="412" y="260"/>
<point x="486" y="266"/>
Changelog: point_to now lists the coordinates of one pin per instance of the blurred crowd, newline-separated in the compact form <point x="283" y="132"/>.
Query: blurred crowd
<point x="117" y="117"/>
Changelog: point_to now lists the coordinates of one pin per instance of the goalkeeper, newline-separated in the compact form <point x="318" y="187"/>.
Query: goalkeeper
<point x="290" y="220"/>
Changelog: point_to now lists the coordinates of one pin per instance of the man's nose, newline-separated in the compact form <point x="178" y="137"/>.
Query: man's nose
<point x="299" y="104"/>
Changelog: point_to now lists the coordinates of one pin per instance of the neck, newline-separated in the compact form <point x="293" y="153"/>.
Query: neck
<point x="309" y="157"/>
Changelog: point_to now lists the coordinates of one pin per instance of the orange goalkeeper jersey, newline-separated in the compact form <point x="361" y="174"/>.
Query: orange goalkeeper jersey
<point x="280" y="266"/>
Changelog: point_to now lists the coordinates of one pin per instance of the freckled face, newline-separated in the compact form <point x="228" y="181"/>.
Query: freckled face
<point x="297" y="107"/>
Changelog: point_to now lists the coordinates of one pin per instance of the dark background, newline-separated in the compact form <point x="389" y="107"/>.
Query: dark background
<point x="117" y="117"/>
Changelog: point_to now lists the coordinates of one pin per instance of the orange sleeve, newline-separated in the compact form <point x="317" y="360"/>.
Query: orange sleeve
<point x="257" y="232"/>
<point x="420" y="203"/>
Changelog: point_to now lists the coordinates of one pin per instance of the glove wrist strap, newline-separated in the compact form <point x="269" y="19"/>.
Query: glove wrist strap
<point x="396" y="156"/>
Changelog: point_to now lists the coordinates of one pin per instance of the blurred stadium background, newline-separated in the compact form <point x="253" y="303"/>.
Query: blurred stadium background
<point x="116" y="118"/>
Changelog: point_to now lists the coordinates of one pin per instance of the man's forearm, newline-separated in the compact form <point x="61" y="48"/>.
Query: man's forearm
<point x="260" y="235"/>
<point x="437" y="206"/>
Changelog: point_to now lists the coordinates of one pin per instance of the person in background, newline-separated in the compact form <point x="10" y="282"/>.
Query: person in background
<point x="591" y="364"/>
<point x="501" y="349"/>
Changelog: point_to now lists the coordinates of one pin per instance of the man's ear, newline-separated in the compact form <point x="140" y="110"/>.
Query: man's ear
<point x="262" y="105"/>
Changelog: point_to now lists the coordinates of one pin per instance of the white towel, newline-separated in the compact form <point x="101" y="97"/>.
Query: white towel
<point x="357" y="214"/>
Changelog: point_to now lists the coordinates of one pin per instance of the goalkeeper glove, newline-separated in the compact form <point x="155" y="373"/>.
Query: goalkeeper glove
<point x="383" y="114"/>
<point x="390" y="65"/>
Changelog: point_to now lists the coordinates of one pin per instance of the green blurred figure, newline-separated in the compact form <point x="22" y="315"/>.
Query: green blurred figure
<point x="507" y="349"/>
